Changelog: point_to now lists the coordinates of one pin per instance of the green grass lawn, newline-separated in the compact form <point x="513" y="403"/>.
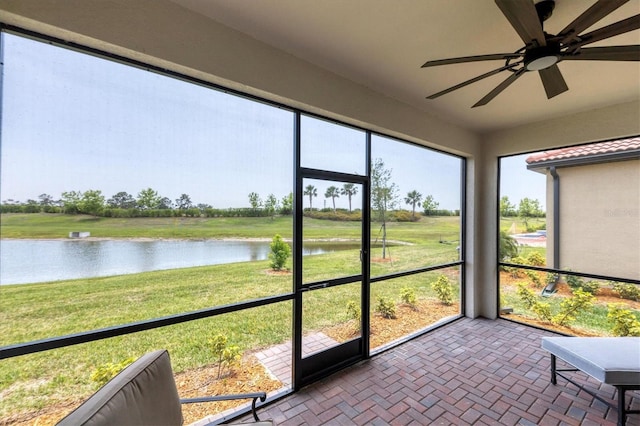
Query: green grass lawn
<point x="35" y="311"/>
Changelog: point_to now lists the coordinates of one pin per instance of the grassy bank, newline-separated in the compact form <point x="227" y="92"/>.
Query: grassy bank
<point x="34" y="311"/>
<point x="41" y="225"/>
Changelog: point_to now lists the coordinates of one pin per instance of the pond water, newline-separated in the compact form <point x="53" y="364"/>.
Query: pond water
<point x="31" y="261"/>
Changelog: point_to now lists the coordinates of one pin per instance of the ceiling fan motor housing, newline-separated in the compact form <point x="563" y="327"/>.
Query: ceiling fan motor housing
<point x="539" y="58"/>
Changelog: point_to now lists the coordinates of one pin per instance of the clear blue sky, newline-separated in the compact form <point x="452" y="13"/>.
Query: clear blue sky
<point x="516" y="182"/>
<point x="76" y="122"/>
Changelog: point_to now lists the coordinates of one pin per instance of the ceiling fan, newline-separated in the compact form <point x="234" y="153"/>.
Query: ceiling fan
<point x="543" y="51"/>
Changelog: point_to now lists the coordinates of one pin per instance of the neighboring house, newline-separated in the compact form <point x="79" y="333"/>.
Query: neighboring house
<point x="593" y="207"/>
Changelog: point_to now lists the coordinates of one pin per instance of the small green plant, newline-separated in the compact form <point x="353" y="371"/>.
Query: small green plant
<point x="535" y="259"/>
<point x="543" y="311"/>
<point x="627" y="291"/>
<point x="624" y="321"/>
<point x="576" y="282"/>
<point x="442" y="287"/>
<point x="280" y="252"/>
<point x="353" y="310"/>
<point x="551" y="278"/>
<point x="508" y="246"/>
<point x="572" y="306"/>
<point x="408" y="296"/>
<point x="526" y="295"/>
<point x="108" y="371"/>
<point x="226" y="356"/>
<point x="591" y="287"/>
<point x="517" y="272"/>
<point x="533" y="276"/>
<point x="386" y="308"/>
<point x="354" y="314"/>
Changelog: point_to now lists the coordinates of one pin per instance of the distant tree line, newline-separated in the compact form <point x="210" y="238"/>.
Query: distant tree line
<point x="527" y="209"/>
<point x="385" y="202"/>
<point x="147" y="203"/>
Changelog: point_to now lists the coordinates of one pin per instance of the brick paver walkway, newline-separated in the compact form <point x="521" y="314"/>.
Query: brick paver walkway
<point x="475" y="372"/>
<point x="277" y="359"/>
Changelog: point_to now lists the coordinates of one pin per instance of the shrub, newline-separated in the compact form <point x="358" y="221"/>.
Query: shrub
<point x="408" y="296"/>
<point x="386" y="308"/>
<point x="108" y="371"/>
<point x="442" y="287"/>
<point x="551" y="278"/>
<point x="624" y="321"/>
<point x="576" y="283"/>
<point x="353" y="310"/>
<point x="543" y="311"/>
<point x="508" y="246"/>
<point x="572" y="306"/>
<point x="569" y="307"/>
<point x="404" y="216"/>
<point x="533" y="276"/>
<point x="526" y="295"/>
<point x="591" y="287"/>
<point x="224" y="354"/>
<point x="627" y="291"/>
<point x="535" y="259"/>
<point x="280" y="252"/>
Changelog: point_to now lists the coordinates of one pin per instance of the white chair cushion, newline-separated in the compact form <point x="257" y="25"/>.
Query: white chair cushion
<point x="612" y="360"/>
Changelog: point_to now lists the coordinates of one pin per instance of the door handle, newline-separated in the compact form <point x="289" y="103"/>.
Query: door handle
<point x="315" y="287"/>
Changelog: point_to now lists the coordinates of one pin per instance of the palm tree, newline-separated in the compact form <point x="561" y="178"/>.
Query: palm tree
<point x="414" y="198"/>
<point x="333" y="193"/>
<point x="311" y="191"/>
<point x="349" y="189"/>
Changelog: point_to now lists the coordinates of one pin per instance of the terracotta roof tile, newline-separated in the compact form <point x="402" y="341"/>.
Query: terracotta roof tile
<point x="586" y="150"/>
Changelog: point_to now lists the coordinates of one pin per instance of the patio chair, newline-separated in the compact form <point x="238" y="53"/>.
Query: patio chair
<point x="144" y="393"/>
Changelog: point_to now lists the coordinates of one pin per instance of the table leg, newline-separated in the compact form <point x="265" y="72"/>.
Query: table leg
<point x="554" y="381"/>
<point x="622" y="409"/>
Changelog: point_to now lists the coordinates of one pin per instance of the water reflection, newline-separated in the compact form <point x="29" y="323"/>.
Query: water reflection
<point x="30" y="261"/>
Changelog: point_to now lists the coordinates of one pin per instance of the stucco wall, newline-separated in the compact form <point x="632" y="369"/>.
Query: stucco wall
<point x="599" y="219"/>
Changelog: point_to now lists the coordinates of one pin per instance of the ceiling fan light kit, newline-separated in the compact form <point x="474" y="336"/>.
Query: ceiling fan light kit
<point x="540" y="58"/>
<point x="542" y="52"/>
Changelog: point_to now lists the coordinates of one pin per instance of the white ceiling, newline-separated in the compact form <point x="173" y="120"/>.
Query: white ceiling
<point x="382" y="44"/>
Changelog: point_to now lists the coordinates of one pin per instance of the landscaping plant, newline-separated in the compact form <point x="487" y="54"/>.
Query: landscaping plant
<point x="280" y="252"/>
<point x="442" y="287"/>
<point x="226" y="356"/>
<point x="386" y="308"/>
<point x="408" y="297"/>
<point x="627" y="291"/>
<point x="624" y="321"/>
<point x="108" y="371"/>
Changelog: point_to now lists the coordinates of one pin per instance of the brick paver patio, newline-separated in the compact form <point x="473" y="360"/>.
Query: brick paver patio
<point x="475" y="372"/>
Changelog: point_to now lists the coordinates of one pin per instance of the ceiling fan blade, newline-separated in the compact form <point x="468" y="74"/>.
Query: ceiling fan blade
<point x="473" y="80"/>
<point x="463" y="59"/>
<point x="553" y="81"/>
<point x="499" y="88"/>
<point x="607" y="53"/>
<point x="590" y="16"/>
<point x="523" y="17"/>
<point x="620" y="27"/>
